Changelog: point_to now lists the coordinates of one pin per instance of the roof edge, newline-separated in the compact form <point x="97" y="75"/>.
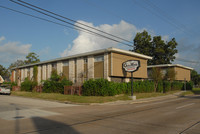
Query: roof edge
<point x="170" y="65"/>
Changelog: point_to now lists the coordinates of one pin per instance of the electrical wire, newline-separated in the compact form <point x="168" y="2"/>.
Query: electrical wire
<point x="73" y="24"/>
<point x="74" y="21"/>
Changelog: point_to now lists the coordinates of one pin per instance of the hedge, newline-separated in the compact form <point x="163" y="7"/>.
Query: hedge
<point x="103" y="87"/>
<point x="28" y="85"/>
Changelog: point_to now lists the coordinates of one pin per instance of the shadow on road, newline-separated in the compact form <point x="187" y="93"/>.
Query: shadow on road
<point x="46" y="126"/>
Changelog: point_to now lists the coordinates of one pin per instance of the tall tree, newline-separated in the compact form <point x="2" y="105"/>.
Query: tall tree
<point x="195" y="77"/>
<point x="32" y="58"/>
<point x="4" y="72"/>
<point x="161" y="51"/>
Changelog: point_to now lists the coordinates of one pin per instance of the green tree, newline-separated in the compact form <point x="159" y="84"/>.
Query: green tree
<point x="4" y="72"/>
<point x="170" y="74"/>
<point x="32" y="58"/>
<point x="161" y="51"/>
<point x="157" y="76"/>
<point x="195" y="77"/>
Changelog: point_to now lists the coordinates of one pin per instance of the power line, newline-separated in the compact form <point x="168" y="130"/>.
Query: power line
<point x="74" y="21"/>
<point x="73" y="24"/>
<point x="163" y="13"/>
<point x="161" y="17"/>
<point x="40" y="18"/>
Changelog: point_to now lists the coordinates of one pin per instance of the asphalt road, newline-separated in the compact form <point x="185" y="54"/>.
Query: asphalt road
<point x="167" y="116"/>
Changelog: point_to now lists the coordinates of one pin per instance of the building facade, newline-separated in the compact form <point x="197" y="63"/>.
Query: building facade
<point x="105" y="63"/>
<point x="182" y="73"/>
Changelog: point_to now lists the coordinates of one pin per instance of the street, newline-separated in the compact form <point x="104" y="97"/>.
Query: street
<point x="20" y="115"/>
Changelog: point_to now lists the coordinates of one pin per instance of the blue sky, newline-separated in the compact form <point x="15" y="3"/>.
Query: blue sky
<point x="20" y="34"/>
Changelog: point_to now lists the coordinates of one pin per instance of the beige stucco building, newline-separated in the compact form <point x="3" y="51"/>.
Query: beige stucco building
<point x="105" y="63"/>
<point x="182" y="73"/>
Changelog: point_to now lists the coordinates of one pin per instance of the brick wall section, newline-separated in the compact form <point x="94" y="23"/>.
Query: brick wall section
<point x="90" y="67"/>
<point x="39" y="75"/>
<point x="25" y="73"/>
<point x="80" y="70"/>
<point x="72" y="70"/>
<point x="49" y="70"/>
<point x="44" y="72"/>
<point x="31" y="73"/>
<point x="22" y="74"/>
<point x="59" y="67"/>
<point x="106" y="69"/>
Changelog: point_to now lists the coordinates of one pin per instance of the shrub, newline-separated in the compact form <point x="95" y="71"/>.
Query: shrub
<point x="11" y="84"/>
<point x="177" y="85"/>
<point x="166" y="86"/>
<point x="28" y="85"/>
<point x="189" y="85"/>
<point x="55" y="84"/>
<point x="160" y="87"/>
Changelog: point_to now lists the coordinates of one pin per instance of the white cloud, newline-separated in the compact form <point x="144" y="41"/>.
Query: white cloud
<point x="2" y="38"/>
<point x="11" y="51"/>
<point x="86" y="42"/>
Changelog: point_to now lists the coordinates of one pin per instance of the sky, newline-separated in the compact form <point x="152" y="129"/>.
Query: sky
<point x="21" y="34"/>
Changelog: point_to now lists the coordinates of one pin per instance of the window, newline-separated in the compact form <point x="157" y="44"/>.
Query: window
<point x="98" y="58"/>
<point x="54" y="65"/>
<point x="66" y="63"/>
<point x="85" y="60"/>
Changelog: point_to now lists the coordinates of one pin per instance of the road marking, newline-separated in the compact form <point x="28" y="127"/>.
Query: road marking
<point x="185" y="105"/>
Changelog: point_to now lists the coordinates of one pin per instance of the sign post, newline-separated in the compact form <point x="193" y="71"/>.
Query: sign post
<point x="131" y="66"/>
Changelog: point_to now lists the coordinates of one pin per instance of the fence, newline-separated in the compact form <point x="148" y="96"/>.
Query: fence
<point x="72" y="90"/>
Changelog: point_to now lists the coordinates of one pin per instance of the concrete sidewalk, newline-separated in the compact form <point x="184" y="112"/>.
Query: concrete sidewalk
<point x="120" y="102"/>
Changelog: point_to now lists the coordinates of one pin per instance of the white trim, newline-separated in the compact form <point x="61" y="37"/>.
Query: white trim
<point x="170" y="65"/>
<point x="91" y="53"/>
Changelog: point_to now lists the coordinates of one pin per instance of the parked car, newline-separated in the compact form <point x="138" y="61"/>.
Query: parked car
<point x="5" y="89"/>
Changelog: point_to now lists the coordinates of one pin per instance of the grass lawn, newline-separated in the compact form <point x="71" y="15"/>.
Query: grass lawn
<point x="192" y="92"/>
<point x="84" y="99"/>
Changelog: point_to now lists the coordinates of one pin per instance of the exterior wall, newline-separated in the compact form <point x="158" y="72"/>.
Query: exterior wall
<point x="49" y="70"/>
<point x="25" y="73"/>
<point x="18" y="77"/>
<point x="98" y="69"/>
<point x="72" y="70"/>
<point x="80" y="70"/>
<point x="90" y="67"/>
<point x="66" y="71"/>
<point x="31" y="73"/>
<point x="44" y="72"/>
<point x="59" y="67"/>
<point x="117" y="70"/>
<point x="22" y="75"/>
<point x="182" y="73"/>
<point x="106" y="67"/>
<point x="39" y="74"/>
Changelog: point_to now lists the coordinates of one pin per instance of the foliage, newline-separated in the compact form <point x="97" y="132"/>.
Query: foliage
<point x="189" y="85"/>
<point x="55" y="84"/>
<point x="4" y="72"/>
<point x="28" y="85"/>
<point x="166" y="86"/>
<point x="11" y="84"/>
<point x="160" y="87"/>
<point x="157" y="76"/>
<point x="102" y="87"/>
<point x="35" y="73"/>
<point x="15" y="64"/>
<point x="31" y="58"/>
<point x="195" y="77"/>
<point x="177" y="85"/>
<point x="170" y="74"/>
<point x="161" y="51"/>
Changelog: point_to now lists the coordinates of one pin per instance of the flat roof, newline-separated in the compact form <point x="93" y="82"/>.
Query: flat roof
<point x="111" y="49"/>
<point x="170" y="65"/>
